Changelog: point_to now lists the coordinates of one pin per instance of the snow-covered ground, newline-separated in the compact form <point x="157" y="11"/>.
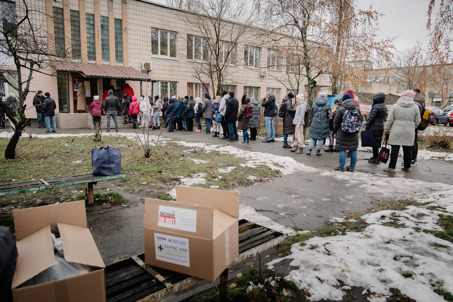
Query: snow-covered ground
<point x="381" y="257"/>
<point x="437" y="130"/>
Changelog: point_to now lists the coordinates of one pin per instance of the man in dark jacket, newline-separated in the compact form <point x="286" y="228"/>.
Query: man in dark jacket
<point x="231" y="116"/>
<point x="127" y="103"/>
<point x="179" y="113"/>
<point x="2" y="113"/>
<point x="287" y="113"/>
<point x="38" y="101"/>
<point x="376" y="123"/>
<point x="269" y="114"/>
<point x="189" y="114"/>
<point x="110" y="106"/>
<point x="48" y="108"/>
<point x="346" y="141"/>
<point x="419" y="100"/>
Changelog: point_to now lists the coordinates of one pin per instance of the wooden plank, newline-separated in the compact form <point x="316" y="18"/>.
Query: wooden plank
<point x="151" y="271"/>
<point x="257" y="240"/>
<point x="250" y="233"/>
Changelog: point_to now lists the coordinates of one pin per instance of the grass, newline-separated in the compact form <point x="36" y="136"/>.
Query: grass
<point x="436" y="143"/>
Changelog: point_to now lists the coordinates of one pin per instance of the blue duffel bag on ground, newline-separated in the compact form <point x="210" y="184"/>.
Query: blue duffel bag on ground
<point x="106" y="161"/>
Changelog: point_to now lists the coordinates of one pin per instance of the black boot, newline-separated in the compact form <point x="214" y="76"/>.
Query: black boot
<point x="330" y="149"/>
<point x="286" y="146"/>
<point x="318" y="153"/>
<point x="308" y="152"/>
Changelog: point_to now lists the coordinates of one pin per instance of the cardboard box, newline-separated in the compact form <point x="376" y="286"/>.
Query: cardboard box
<point x="36" y="254"/>
<point x="197" y="235"/>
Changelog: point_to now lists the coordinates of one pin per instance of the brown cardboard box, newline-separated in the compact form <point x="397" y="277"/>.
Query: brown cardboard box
<point x="197" y="235"/>
<point x="36" y="254"/>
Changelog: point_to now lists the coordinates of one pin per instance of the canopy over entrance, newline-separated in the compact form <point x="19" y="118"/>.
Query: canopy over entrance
<point x="89" y="70"/>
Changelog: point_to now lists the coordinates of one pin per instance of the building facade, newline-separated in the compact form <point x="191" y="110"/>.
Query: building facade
<point x="148" y="46"/>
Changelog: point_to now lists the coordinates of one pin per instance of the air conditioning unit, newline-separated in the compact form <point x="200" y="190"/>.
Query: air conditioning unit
<point x="264" y="73"/>
<point x="146" y="66"/>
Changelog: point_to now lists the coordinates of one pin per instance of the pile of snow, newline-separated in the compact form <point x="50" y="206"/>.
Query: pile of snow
<point x="380" y="257"/>
<point x="437" y="130"/>
<point x="250" y="214"/>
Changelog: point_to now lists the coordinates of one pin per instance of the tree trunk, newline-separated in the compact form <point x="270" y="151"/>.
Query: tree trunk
<point x="10" y="152"/>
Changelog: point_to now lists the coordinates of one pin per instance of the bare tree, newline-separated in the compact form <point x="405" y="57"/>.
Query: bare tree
<point x="24" y="44"/>
<point x="218" y="26"/>
<point x="441" y="30"/>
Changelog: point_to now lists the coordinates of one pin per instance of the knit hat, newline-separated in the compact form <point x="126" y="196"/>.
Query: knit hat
<point x="186" y="97"/>
<point x="206" y="95"/>
<point x="300" y="97"/>
<point x="346" y="96"/>
<point x="47" y="94"/>
<point x="96" y="97"/>
<point x="231" y="93"/>
<point x="323" y="95"/>
<point x="39" y="91"/>
<point x="408" y="93"/>
<point x="156" y="97"/>
<point x="290" y="95"/>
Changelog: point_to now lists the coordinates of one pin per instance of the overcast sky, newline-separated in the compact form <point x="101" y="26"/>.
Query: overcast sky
<point x="403" y="18"/>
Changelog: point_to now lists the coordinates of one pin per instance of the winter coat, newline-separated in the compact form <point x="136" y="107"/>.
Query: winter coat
<point x="214" y="108"/>
<point x="377" y="117"/>
<point x="12" y="103"/>
<point x="127" y="102"/>
<point x="129" y="91"/>
<point x="37" y="102"/>
<point x="243" y="121"/>
<point x="288" y="112"/>
<point x="189" y="110"/>
<point x="179" y="109"/>
<point x="157" y="105"/>
<point x="419" y="100"/>
<point x="165" y="106"/>
<point x="269" y="106"/>
<point x="231" y="111"/>
<point x="49" y="107"/>
<point x="320" y="111"/>
<point x="402" y="121"/>
<point x="111" y="103"/>
<point x="96" y="108"/>
<point x="223" y="104"/>
<point x="207" y="108"/>
<point x="145" y="107"/>
<point x="299" y="117"/>
<point x="254" y="121"/>
<point x="170" y="114"/>
<point x="134" y="107"/>
<point x="345" y="141"/>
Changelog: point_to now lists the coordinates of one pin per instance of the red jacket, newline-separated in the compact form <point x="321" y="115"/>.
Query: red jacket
<point x="134" y="107"/>
<point x="351" y="92"/>
<point x="104" y="95"/>
<point x="128" y="89"/>
<point x="96" y="108"/>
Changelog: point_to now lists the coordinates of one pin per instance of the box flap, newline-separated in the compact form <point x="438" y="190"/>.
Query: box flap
<point x="225" y="201"/>
<point x="28" y="221"/>
<point x="222" y="222"/>
<point x="79" y="245"/>
<point x="35" y="255"/>
<point x="179" y="217"/>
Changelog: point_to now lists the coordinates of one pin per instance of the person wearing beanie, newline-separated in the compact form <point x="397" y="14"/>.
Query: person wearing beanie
<point x="255" y="120"/>
<point x="243" y="120"/>
<point x="157" y="109"/>
<point x="38" y="101"/>
<point x="376" y="124"/>
<point x="2" y="113"/>
<point x="231" y="116"/>
<point x="269" y="114"/>
<point x="319" y="128"/>
<point x="189" y="114"/>
<point x="179" y="112"/>
<point x="222" y="108"/>
<point x="48" y="108"/>
<point x="214" y="109"/>
<point x="337" y="103"/>
<point x="198" y="113"/>
<point x="111" y="104"/>
<point x="287" y="113"/>
<point x="351" y="93"/>
<point x="170" y="114"/>
<point x="299" y="122"/>
<point x="402" y="120"/>
<point x="346" y="141"/>
<point x="126" y="103"/>
<point x="134" y="109"/>
<point x="207" y="112"/>
<point x="96" y="112"/>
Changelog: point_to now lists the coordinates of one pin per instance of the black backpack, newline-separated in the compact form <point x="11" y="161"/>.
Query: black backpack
<point x="8" y="258"/>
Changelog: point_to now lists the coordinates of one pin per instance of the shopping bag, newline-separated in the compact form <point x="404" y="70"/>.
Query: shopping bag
<point x="218" y="117"/>
<point x="384" y="153"/>
<point x="151" y="121"/>
<point x="368" y="139"/>
<point x="106" y="161"/>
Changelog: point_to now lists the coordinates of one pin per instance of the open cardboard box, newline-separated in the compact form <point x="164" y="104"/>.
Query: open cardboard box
<point x="197" y="235"/>
<point x="36" y="254"/>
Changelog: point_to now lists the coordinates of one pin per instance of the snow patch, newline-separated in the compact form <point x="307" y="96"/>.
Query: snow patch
<point x="250" y="214"/>
<point x="226" y="170"/>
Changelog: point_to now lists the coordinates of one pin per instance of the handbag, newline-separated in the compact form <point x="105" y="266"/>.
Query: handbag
<point x="106" y="161"/>
<point x="218" y="117"/>
<point x="384" y="153"/>
<point x="368" y="139"/>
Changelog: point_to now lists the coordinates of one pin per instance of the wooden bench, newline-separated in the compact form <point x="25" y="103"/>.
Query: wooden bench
<point x="51" y="183"/>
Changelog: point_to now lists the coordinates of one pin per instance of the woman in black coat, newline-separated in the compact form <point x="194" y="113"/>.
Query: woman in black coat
<point x="287" y="112"/>
<point x="376" y="123"/>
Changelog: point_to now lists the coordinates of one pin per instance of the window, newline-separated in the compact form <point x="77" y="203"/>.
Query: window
<point x="163" y="43"/>
<point x="276" y="93"/>
<point x="251" y="56"/>
<point x="252" y="92"/>
<point x="165" y="89"/>
<point x="273" y="59"/>
<point x="75" y="35"/>
<point x="105" y="38"/>
<point x="227" y="52"/>
<point x="63" y="95"/>
<point x="119" y="41"/>
<point x="58" y="23"/>
<point x="7" y="16"/>
<point x="229" y="88"/>
<point x="91" y="38"/>
<point x="197" y="90"/>
<point x="197" y="48"/>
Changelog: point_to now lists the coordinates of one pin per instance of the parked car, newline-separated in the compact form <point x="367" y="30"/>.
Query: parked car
<point x="450" y="119"/>
<point x="448" y="109"/>
<point x="439" y="116"/>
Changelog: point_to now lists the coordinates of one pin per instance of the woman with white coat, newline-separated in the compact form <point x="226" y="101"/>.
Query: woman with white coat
<point x="299" y="122"/>
<point x="145" y="109"/>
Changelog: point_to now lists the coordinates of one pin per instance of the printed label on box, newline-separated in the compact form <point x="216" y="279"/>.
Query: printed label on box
<point x="172" y="249"/>
<point x="177" y="218"/>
